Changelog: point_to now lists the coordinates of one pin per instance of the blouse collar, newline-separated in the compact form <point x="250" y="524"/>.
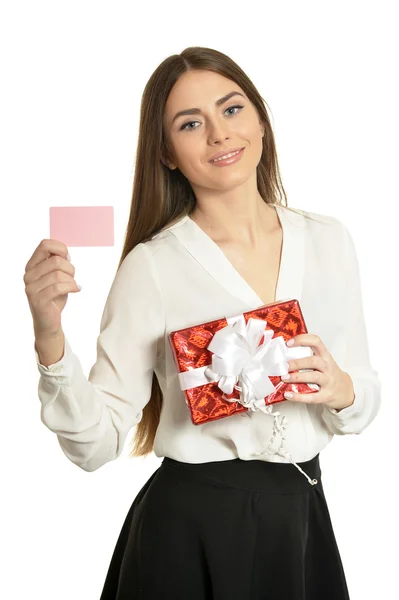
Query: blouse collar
<point x="208" y="254"/>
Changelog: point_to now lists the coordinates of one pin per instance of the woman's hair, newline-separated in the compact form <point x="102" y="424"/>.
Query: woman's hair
<point x="162" y="196"/>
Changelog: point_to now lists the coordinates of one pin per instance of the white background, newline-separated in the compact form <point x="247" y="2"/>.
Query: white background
<point x="72" y="75"/>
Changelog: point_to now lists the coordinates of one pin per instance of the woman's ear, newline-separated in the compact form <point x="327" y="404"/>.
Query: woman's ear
<point x="168" y="164"/>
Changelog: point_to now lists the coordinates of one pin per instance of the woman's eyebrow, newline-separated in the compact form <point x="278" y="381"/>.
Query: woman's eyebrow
<point x="193" y="111"/>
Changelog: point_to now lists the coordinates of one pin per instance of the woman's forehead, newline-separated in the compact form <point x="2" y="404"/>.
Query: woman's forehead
<point x="197" y="89"/>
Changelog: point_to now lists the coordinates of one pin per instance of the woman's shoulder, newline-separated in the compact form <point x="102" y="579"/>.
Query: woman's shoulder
<point x="315" y="216"/>
<point x="318" y="223"/>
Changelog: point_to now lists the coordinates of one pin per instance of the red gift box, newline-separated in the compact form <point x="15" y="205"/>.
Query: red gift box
<point x="205" y="399"/>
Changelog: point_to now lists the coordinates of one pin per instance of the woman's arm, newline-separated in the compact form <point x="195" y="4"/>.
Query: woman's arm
<point x="356" y="362"/>
<point x="92" y="416"/>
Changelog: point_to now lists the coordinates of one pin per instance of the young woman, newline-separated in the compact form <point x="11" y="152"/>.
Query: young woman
<point x="210" y="235"/>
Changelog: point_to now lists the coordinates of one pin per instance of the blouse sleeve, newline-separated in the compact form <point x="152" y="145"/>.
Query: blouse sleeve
<point x="356" y="359"/>
<point x="92" y="416"/>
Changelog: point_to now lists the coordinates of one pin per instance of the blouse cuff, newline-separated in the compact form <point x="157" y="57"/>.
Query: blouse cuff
<point x="59" y="371"/>
<point x="351" y="419"/>
<point x="351" y="410"/>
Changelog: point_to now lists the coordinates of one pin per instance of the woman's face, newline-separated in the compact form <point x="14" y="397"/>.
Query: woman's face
<point x="212" y="128"/>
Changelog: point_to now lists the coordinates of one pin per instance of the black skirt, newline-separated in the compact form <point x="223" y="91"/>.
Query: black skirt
<point x="229" y="530"/>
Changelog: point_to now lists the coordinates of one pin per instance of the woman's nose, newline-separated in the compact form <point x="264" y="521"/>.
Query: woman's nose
<point x="218" y="133"/>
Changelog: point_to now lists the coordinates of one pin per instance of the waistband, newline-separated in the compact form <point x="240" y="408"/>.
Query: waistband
<point x="252" y="475"/>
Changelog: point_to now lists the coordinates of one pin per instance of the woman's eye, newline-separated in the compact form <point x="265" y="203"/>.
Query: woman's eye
<point x="186" y="125"/>
<point x="231" y="108"/>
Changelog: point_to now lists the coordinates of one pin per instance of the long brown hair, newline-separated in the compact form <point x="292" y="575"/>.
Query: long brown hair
<point x="161" y="196"/>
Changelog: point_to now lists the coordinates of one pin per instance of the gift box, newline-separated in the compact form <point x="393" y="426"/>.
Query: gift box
<point x="234" y="364"/>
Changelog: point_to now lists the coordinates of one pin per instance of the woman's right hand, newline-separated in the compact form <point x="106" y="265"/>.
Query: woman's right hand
<point x="49" y="278"/>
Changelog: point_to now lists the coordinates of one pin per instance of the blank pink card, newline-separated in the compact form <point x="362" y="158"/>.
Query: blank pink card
<point x="82" y="225"/>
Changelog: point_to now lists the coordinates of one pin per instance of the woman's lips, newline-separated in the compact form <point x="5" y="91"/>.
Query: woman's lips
<point x="228" y="161"/>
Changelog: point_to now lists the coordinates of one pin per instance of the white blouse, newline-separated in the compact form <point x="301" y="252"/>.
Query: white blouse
<point x="181" y="278"/>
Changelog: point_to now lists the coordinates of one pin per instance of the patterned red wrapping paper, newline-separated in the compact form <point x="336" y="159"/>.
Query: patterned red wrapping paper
<point x="189" y="348"/>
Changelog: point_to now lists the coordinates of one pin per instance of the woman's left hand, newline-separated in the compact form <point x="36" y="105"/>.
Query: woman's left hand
<point x="336" y="386"/>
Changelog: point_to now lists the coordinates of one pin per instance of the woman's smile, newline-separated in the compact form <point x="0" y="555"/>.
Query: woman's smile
<point x="228" y="159"/>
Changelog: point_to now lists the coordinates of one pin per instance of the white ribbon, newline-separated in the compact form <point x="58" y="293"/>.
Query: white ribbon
<point x="239" y="362"/>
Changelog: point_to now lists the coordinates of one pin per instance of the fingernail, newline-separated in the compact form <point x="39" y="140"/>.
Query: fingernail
<point x="288" y="395"/>
<point x="79" y="287"/>
<point x="290" y="342"/>
<point x="68" y="257"/>
<point x="288" y="376"/>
